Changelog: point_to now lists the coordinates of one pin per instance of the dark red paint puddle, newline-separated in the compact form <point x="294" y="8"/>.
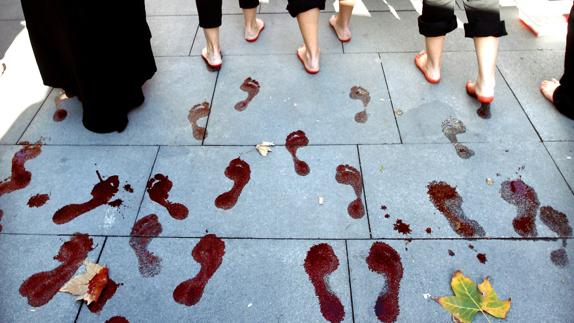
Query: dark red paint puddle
<point x="116" y="203"/>
<point x="107" y="293"/>
<point x="294" y="141"/>
<point x="428" y="230"/>
<point x="102" y="193"/>
<point x="452" y="127"/>
<point x="320" y="262"/>
<point x="250" y="86"/>
<point x="118" y="319"/>
<point x="240" y="173"/>
<point x="481" y="257"/>
<point x="128" y="188"/>
<point x="20" y="177"/>
<point x="158" y="188"/>
<point x="447" y="200"/>
<point x="484" y="111"/>
<point x="359" y="93"/>
<point x="209" y="254"/>
<point x="450" y="253"/>
<point x="557" y="222"/>
<point x="143" y="231"/>
<point x="524" y="197"/>
<point x="349" y="175"/>
<point x="41" y="287"/>
<point x="402" y="227"/>
<point x="38" y="200"/>
<point x="197" y="112"/>
<point x="385" y="260"/>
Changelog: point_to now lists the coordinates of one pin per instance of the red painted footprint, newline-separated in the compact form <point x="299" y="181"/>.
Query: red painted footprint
<point x="349" y="175"/>
<point x="41" y="287"/>
<point x="197" y="112"/>
<point x="240" y="173"/>
<point x="385" y="260"/>
<point x="294" y="141"/>
<point x="117" y="319"/>
<point x="524" y="197"/>
<point x="557" y="222"/>
<point x="447" y="200"/>
<point x="359" y="93"/>
<point x="320" y="262"/>
<point x="209" y="254"/>
<point x="102" y="193"/>
<point x="143" y="231"/>
<point x="250" y="86"/>
<point x="158" y="188"/>
<point x="20" y="177"/>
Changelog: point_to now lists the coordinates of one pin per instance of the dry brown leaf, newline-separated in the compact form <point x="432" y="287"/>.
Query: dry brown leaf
<point x="89" y="285"/>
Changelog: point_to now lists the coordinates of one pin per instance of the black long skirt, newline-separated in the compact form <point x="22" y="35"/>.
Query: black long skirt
<point x="97" y="50"/>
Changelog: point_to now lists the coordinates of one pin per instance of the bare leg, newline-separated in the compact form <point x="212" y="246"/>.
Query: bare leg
<point x="252" y="23"/>
<point x="342" y="20"/>
<point x="212" y="51"/>
<point x="432" y="60"/>
<point x="309" y="26"/>
<point x="548" y="87"/>
<point x="486" y="53"/>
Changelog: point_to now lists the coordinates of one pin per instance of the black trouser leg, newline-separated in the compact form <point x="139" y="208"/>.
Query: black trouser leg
<point x="295" y="7"/>
<point x="563" y="97"/>
<point x="209" y="12"/>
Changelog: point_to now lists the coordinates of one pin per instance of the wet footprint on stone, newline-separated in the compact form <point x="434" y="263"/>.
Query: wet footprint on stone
<point x="143" y="231"/>
<point x="349" y="175"/>
<point x="197" y="112"/>
<point x="240" y="173"/>
<point x="294" y="141"/>
<point x="359" y="93"/>
<point x="452" y="127"/>
<point x="524" y="197"/>
<point x="158" y="188"/>
<point x="250" y="86"/>
<point x="557" y="222"/>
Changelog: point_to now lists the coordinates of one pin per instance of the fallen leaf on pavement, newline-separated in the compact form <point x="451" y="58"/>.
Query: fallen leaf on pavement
<point x="89" y="285"/>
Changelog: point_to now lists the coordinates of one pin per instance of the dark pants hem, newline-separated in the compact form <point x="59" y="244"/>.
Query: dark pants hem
<point x="295" y="7"/>
<point x="209" y="11"/>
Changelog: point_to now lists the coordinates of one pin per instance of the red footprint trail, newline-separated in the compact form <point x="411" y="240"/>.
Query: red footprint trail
<point x="143" y="231"/>
<point x="107" y="293"/>
<point x="359" y="93"/>
<point x="117" y="319"/>
<point x="158" y="188"/>
<point x="349" y="175"/>
<point x="41" y="287"/>
<point x="197" y="112"/>
<point x="250" y="86"/>
<point x="102" y="193"/>
<point x="320" y="262"/>
<point x="20" y="177"/>
<point x="385" y="260"/>
<point x="209" y="254"/>
<point x="38" y="200"/>
<point x="559" y="224"/>
<point x="240" y="173"/>
<point x="447" y="200"/>
<point x="524" y="197"/>
<point x="294" y="141"/>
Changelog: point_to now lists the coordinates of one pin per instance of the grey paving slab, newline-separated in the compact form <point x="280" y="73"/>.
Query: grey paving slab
<point x="11" y="9"/>
<point x="184" y="7"/>
<point x="68" y="175"/>
<point x="520" y="270"/>
<point x="279" y="6"/>
<point x="290" y="100"/>
<point x="408" y="169"/>
<point x="278" y="288"/>
<point x="10" y="29"/>
<point x="563" y="155"/>
<point x="426" y="106"/>
<point x="172" y="35"/>
<point x="281" y="36"/>
<point x="276" y="202"/>
<point x="520" y="38"/>
<point x="179" y="84"/>
<point x="524" y="70"/>
<point x="23" y="256"/>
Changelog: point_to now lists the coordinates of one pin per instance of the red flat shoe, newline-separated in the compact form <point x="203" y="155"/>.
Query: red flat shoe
<point x="342" y="40"/>
<point x="421" y="68"/>
<point x="471" y="91"/>
<point x="211" y="66"/>
<point x="252" y="40"/>
<point x="305" y="66"/>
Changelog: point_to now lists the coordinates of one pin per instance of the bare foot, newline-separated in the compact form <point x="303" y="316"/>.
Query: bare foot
<point x="343" y="32"/>
<point x="547" y="88"/>
<point x="212" y="57"/>
<point x="311" y="63"/>
<point x="252" y="32"/>
<point x="483" y="88"/>
<point x="431" y="72"/>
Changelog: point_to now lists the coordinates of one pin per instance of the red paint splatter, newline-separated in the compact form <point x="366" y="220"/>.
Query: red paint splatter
<point x="294" y="141"/>
<point x="428" y="230"/>
<point x="524" y="197"/>
<point x="116" y="203"/>
<point x="387" y="216"/>
<point x="481" y="257"/>
<point x="118" y="319"/>
<point x="128" y="188"/>
<point x="402" y="227"/>
<point x="20" y="177"/>
<point x="41" y="287"/>
<point x="447" y="200"/>
<point x="320" y="262"/>
<point x="197" y="112"/>
<point x="143" y="231"/>
<point x="450" y="253"/>
<point x="97" y="284"/>
<point x="385" y="260"/>
<point x="106" y="294"/>
<point x="240" y="173"/>
<point x="60" y="115"/>
<point x="38" y="200"/>
<point x="470" y="246"/>
<point x="102" y="193"/>
<point x="158" y="188"/>
<point x="383" y="207"/>
<point x="250" y="86"/>
<point x="556" y="221"/>
<point x="209" y="254"/>
<point x="349" y="175"/>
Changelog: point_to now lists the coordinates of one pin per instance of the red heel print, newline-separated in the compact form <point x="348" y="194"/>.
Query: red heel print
<point x="41" y="287"/>
<point x="158" y="188"/>
<point x="143" y="231"/>
<point x="38" y="200"/>
<point x="240" y="173"/>
<point x="359" y="93"/>
<point x="294" y="141"/>
<point x="117" y="319"/>
<point x="20" y="177"/>
<point x="320" y="262"/>
<point x="452" y="127"/>
<point x="385" y="260"/>
<point x="197" y="112"/>
<point x="60" y="114"/>
<point x="349" y="175"/>
<point x="446" y="199"/>
<point x="209" y="254"/>
<point x="250" y="86"/>
<point x="102" y="193"/>
<point x="524" y="197"/>
<point x="559" y="224"/>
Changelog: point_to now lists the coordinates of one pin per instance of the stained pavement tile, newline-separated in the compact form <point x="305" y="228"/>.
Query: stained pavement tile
<point x="289" y="100"/>
<point x="11" y="9"/>
<point x="172" y="35"/>
<point x="276" y="202"/>
<point x="279" y="6"/>
<point x="408" y="169"/>
<point x="426" y="106"/>
<point x="524" y="70"/>
<point x="521" y="270"/>
<point x="23" y="256"/>
<point x="258" y="281"/>
<point x="281" y="36"/>
<point x="520" y="38"/>
<point x="563" y="155"/>
<point x="68" y="175"/>
<point x="161" y="120"/>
